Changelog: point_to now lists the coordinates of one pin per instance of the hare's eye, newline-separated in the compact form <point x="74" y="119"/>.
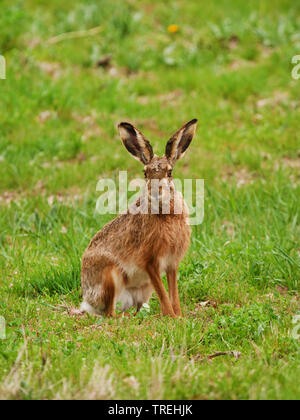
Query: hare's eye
<point x="145" y="174"/>
<point x="170" y="173"/>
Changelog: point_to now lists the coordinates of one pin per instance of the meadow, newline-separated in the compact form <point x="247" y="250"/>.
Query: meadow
<point x="74" y="70"/>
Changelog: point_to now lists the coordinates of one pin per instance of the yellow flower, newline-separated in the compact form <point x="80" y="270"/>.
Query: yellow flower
<point x="172" y="29"/>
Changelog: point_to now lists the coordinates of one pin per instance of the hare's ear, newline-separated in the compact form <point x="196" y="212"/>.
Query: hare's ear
<point x="135" y="142"/>
<point x="180" y="141"/>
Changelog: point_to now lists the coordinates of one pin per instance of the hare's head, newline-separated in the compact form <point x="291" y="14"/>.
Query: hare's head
<point x="156" y="167"/>
<point x="157" y="170"/>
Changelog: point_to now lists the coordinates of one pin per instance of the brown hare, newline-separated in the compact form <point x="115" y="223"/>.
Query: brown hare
<point x="126" y="258"/>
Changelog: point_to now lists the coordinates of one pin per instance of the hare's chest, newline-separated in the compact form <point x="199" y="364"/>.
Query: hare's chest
<point x="173" y="250"/>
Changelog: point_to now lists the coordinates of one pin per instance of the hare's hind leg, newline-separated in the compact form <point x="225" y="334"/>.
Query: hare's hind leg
<point x="109" y="291"/>
<point x="101" y="290"/>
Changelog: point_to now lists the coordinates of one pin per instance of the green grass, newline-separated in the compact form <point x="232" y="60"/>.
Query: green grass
<point x="229" y="66"/>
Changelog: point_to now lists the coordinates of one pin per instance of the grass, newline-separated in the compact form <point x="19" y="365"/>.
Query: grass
<point x="229" y="66"/>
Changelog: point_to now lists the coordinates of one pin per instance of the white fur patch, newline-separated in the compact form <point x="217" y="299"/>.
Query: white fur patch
<point x="166" y="262"/>
<point x="126" y="300"/>
<point x="136" y="276"/>
<point x="86" y="307"/>
<point x="135" y="296"/>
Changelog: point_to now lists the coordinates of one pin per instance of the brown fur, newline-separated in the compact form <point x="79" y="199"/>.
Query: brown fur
<point x="126" y="258"/>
